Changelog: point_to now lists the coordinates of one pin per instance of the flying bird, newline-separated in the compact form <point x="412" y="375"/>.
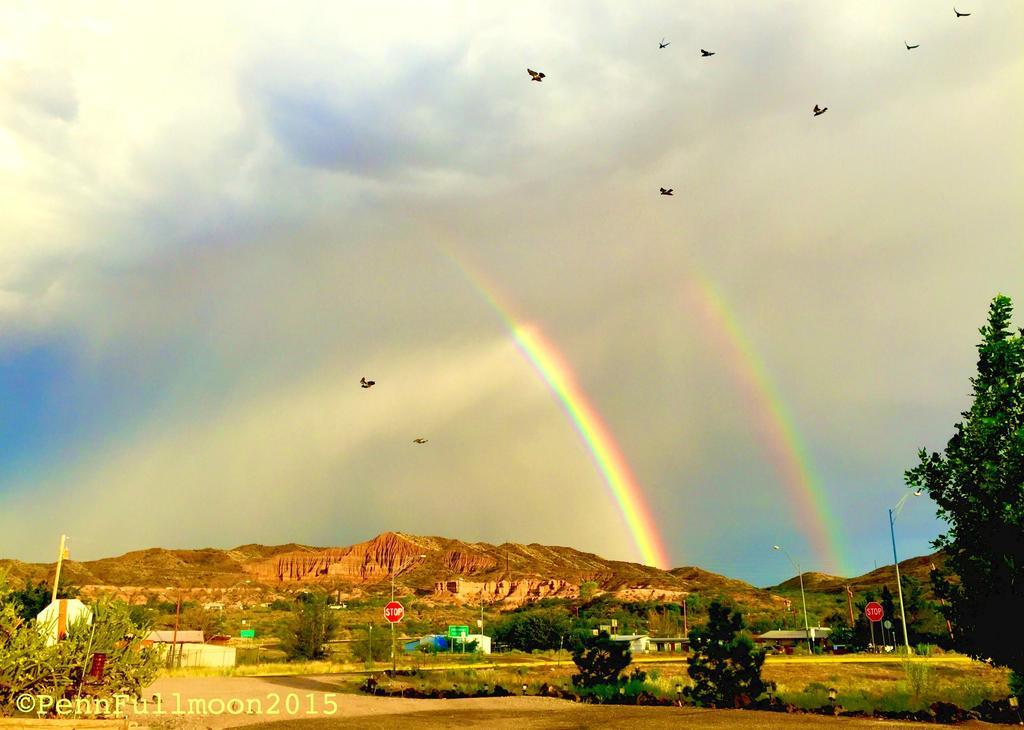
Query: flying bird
<point x="910" y="47"/>
<point x="818" y="111"/>
<point x="535" y="75"/>
<point x="959" y="14"/>
<point x="666" y="192"/>
<point x="663" y="44"/>
<point x="705" y="54"/>
<point x="364" y="383"/>
<point x="419" y="441"/>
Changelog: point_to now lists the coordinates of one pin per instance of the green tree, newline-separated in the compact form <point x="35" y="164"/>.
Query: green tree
<point x="539" y="629"/>
<point x="210" y="623"/>
<point x="312" y="625"/>
<point x="724" y="665"/>
<point x="587" y="589"/>
<point x="600" y="661"/>
<point x="369" y="648"/>
<point x="33" y="598"/>
<point x="978" y="485"/>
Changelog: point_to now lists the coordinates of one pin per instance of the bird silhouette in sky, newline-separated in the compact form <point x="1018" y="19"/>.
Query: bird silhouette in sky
<point x="419" y="441"/>
<point x="910" y="47"/>
<point x="666" y="192"/>
<point x="705" y="54"/>
<point x="818" y="111"/>
<point x="535" y="75"/>
<point x="364" y="383"/>
<point x="663" y="43"/>
<point x="959" y="14"/>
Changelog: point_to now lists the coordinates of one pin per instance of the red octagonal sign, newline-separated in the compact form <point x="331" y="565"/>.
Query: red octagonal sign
<point x="394" y="611"/>
<point x="874" y="611"/>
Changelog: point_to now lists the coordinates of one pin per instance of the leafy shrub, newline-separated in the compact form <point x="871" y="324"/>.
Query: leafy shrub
<point x="310" y="628"/>
<point x="919" y="678"/>
<point x="724" y="666"/>
<point x="600" y="661"/>
<point x="27" y="663"/>
<point x="1017" y="683"/>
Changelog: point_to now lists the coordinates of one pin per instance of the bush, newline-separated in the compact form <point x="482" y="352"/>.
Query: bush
<point x="920" y="681"/>
<point x="376" y="648"/>
<point x="600" y="661"/>
<point x="724" y="666"/>
<point x="1017" y="684"/>
<point x="539" y="629"/>
<point x="28" y="664"/>
<point x="311" y="627"/>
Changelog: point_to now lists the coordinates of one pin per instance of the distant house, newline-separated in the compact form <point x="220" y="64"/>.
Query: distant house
<point x="669" y="643"/>
<point x="440" y="642"/>
<point x="191" y="650"/>
<point x="638" y="643"/>
<point x="213" y="606"/>
<point x="790" y="638"/>
<point x="483" y="642"/>
<point x="168" y="637"/>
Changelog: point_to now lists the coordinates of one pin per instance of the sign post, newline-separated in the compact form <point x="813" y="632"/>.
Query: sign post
<point x="457" y="632"/>
<point x="393" y="613"/>
<point x="874" y="613"/>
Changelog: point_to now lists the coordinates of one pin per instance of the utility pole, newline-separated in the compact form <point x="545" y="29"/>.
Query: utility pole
<point x="899" y="583"/>
<point x="62" y="553"/>
<point x="174" y="638"/>
<point x="686" y="630"/>
<point x="394" y="659"/>
<point x="849" y="600"/>
<point x="796" y="565"/>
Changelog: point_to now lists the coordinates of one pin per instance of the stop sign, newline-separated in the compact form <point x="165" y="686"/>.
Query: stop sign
<point x="394" y="611"/>
<point x="874" y="611"/>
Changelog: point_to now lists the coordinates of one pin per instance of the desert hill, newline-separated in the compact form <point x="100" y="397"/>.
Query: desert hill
<point x="919" y="568"/>
<point x="441" y="568"/>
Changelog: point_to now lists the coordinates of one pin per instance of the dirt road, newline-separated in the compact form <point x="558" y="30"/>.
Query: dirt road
<point x="314" y="703"/>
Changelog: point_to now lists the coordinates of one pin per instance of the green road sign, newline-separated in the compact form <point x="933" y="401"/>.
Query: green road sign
<point x="456" y="631"/>
<point x="247" y="633"/>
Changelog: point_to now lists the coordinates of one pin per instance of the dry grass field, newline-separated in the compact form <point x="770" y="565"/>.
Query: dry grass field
<point x="882" y="683"/>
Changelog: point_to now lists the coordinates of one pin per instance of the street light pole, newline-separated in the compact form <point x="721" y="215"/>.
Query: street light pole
<point x="896" y="563"/>
<point x="803" y="599"/>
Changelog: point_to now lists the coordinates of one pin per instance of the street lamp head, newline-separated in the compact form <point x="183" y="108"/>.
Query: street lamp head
<point x="776" y="547"/>
<point x="918" y="492"/>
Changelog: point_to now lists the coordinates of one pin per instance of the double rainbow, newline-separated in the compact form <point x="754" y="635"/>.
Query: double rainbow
<point x="778" y="427"/>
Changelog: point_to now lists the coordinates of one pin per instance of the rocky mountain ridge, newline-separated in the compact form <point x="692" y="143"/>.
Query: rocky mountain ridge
<point x="440" y="568"/>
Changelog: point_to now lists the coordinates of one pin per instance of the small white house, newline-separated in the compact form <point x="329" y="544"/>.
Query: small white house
<point x="483" y="642"/>
<point x="638" y="643"/>
<point x="206" y="655"/>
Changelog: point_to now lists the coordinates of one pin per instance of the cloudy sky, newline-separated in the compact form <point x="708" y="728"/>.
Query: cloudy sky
<point x="216" y="219"/>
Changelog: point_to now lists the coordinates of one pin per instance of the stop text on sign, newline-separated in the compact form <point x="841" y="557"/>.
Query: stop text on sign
<point x="394" y="611"/>
<point x="874" y="611"/>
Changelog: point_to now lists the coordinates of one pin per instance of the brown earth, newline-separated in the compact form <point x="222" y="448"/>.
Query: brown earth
<point x="442" y="568"/>
<point x="303" y="702"/>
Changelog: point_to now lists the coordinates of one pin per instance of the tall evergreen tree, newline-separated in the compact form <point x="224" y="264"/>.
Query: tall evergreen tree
<point x="600" y="660"/>
<point x="978" y="485"/>
<point x="724" y="665"/>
